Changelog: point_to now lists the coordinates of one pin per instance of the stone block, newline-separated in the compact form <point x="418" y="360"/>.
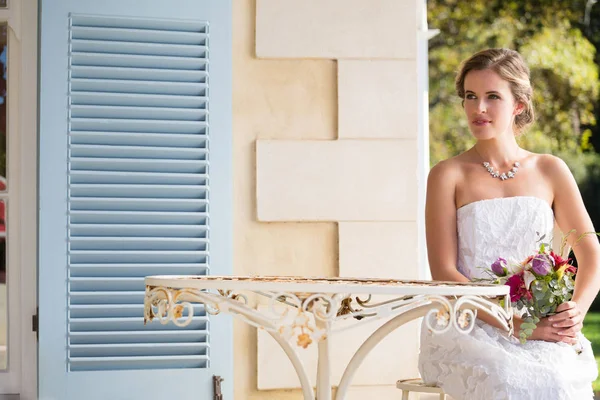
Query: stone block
<point x="377" y="99"/>
<point x="336" y="29"/>
<point x="378" y="250"/>
<point x="343" y="180"/>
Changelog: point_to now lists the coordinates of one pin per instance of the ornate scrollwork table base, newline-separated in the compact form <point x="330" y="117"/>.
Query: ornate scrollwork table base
<point x="305" y="311"/>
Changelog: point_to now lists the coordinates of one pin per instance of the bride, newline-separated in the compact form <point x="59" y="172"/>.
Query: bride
<point x="475" y="214"/>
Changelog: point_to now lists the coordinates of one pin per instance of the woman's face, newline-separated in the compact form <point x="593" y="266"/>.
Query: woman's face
<point x="489" y="104"/>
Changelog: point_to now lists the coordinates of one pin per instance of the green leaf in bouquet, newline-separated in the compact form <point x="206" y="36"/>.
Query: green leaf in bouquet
<point x="518" y="304"/>
<point x="539" y="294"/>
<point x="569" y="283"/>
<point x="528" y="325"/>
<point x="545" y="310"/>
<point x="523" y="337"/>
<point x="568" y="297"/>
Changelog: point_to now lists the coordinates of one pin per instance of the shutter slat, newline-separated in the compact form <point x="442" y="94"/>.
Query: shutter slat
<point x="128" y="323"/>
<point x="127" y="112"/>
<point x="140" y="87"/>
<point x="141" y="61"/>
<point x="138" y="230"/>
<point x="124" y="337"/>
<point x="138" y="187"/>
<point x="138" y="191"/>
<point x="150" y="362"/>
<point x="135" y="74"/>
<point x="138" y="152"/>
<point x="139" y="138"/>
<point x="137" y="243"/>
<point x="140" y="100"/>
<point x="138" y="177"/>
<point x="137" y="349"/>
<point x="138" y="35"/>
<point x="138" y="125"/>
<point x="124" y="204"/>
<point x="131" y="256"/>
<point x="106" y="284"/>
<point x="137" y="270"/>
<point x="138" y="165"/>
<point x="107" y="297"/>
<point x="138" y="217"/>
<point x="116" y="310"/>
<point x="137" y="47"/>
<point x="145" y="24"/>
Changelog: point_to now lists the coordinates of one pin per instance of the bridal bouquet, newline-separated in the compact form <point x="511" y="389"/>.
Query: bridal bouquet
<point x="538" y="285"/>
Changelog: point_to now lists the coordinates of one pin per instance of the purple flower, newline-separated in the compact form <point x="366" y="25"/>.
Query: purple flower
<point x="541" y="265"/>
<point x="499" y="267"/>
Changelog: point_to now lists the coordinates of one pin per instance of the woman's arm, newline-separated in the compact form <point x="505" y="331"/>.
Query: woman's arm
<point x="570" y="213"/>
<point x="440" y="223"/>
<point x="440" y="228"/>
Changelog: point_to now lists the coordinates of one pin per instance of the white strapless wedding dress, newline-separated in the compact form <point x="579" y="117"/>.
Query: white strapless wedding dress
<point x="485" y="364"/>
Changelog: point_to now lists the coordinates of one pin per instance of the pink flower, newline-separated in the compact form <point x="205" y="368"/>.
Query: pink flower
<point x="558" y="260"/>
<point x="499" y="267"/>
<point x="517" y="288"/>
<point x="562" y="265"/>
<point x="541" y="264"/>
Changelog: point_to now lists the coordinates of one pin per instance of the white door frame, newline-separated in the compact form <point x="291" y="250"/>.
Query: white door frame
<point x="22" y="144"/>
<point x="28" y="119"/>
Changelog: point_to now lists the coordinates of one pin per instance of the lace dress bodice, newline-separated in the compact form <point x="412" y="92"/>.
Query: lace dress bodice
<point x="508" y="227"/>
<point x="487" y="364"/>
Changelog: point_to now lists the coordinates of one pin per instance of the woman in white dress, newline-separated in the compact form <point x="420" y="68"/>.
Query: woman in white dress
<point x="474" y="216"/>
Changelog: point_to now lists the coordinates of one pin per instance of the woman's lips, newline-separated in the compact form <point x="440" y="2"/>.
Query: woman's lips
<point x="481" y="122"/>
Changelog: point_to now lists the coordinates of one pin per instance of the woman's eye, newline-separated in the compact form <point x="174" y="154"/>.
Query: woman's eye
<point x="470" y="96"/>
<point x="495" y="97"/>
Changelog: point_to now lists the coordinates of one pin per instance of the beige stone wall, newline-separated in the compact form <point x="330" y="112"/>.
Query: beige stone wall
<point x="274" y="100"/>
<point x="333" y="84"/>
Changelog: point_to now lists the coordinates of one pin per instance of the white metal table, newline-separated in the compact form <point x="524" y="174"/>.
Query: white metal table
<point x="307" y="310"/>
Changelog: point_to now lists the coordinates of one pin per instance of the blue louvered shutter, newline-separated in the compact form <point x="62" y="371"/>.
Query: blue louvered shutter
<point x="136" y="208"/>
<point x="139" y="192"/>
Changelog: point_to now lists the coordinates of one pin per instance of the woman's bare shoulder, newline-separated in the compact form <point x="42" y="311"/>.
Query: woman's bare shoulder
<point x="553" y="168"/>
<point x="451" y="168"/>
<point x="549" y="162"/>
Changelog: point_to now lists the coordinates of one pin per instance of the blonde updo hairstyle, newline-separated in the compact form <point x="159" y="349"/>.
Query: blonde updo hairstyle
<point x="512" y="68"/>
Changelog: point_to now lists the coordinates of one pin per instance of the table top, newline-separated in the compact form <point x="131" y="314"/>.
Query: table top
<point x="326" y="285"/>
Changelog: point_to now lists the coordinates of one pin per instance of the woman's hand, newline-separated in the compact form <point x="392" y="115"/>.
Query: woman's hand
<point x="568" y="318"/>
<point x="561" y="327"/>
<point x="549" y="333"/>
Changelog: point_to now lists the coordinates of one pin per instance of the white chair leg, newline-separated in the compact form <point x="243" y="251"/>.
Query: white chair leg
<point x="405" y="395"/>
<point x="442" y="396"/>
